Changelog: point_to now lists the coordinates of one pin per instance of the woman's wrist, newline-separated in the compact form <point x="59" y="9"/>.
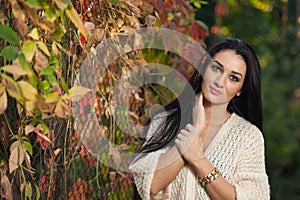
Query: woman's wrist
<point x="202" y="166"/>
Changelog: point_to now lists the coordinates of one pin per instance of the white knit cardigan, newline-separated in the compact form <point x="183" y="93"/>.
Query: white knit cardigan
<point x="237" y="151"/>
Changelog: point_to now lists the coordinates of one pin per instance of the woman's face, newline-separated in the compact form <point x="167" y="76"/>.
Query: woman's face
<point x="224" y="78"/>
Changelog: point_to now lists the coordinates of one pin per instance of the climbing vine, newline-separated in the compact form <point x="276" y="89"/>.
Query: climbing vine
<point x="43" y="44"/>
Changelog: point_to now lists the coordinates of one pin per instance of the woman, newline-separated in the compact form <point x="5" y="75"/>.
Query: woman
<point x="211" y="146"/>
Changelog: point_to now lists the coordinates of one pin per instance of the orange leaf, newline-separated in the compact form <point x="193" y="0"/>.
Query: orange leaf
<point x="124" y="147"/>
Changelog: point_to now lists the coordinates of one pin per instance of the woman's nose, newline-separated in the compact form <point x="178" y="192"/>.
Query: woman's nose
<point x="219" y="81"/>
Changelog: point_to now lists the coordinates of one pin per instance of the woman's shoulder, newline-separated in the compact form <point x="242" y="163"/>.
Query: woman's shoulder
<point x="156" y="122"/>
<point x="245" y="128"/>
<point x="240" y="121"/>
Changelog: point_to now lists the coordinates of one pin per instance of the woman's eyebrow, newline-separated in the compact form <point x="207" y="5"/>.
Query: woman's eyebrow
<point x="234" y="72"/>
<point x="220" y="64"/>
<point x="237" y="73"/>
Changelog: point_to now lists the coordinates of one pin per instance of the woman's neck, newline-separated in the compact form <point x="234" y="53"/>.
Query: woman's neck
<point x="215" y="114"/>
<point x="215" y="117"/>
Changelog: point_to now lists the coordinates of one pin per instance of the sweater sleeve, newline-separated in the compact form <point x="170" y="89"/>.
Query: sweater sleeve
<point x="250" y="178"/>
<point x="143" y="167"/>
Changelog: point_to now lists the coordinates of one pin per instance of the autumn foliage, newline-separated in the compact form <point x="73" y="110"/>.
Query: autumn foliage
<point x="43" y="44"/>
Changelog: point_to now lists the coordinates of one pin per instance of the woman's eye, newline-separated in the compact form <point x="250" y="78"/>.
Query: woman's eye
<point x="216" y="68"/>
<point x="234" y="78"/>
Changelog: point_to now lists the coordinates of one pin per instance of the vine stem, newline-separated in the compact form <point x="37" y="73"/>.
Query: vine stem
<point x="8" y="125"/>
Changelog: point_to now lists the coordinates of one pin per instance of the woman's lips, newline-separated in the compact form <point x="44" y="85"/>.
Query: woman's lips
<point x="215" y="91"/>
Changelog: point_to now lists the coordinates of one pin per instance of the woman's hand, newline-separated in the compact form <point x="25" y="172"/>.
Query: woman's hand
<point x="189" y="142"/>
<point x="199" y="113"/>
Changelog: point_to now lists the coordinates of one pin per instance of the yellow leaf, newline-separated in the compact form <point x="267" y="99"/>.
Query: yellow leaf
<point x="2" y="88"/>
<point x="62" y="108"/>
<point x="78" y="91"/>
<point x="29" y="106"/>
<point x="44" y="48"/>
<point x="34" y="34"/>
<point x="55" y="49"/>
<point x="28" y="91"/>
<point x="17" y="155"/>
<point x="52" y="98"/>
<point x="15" y="70"/>
<point x="60" y="4"/>
<point x="24" y="67"/>
<point x="45" y="107"/>
<point x="28" y="49"/>
<point x="12" y="88"/>
<point x="28" y="129"/>
<point x="74" y="17"/>
<point x="57" y="151"/>
<point x="3" y="102"/>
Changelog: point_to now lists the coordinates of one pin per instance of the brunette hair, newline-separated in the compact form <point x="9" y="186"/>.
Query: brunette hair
<point x="247" y="105"/>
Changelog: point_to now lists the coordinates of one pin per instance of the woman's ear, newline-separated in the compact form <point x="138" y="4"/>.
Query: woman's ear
<point x="239" y="93"/>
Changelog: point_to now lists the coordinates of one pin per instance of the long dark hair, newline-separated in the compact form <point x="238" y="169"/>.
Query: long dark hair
<point x="247" y="105"/>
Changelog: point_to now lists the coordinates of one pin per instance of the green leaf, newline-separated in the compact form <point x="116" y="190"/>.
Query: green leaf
<point x="44" y="85"/>
<point x="47" y="70"/>
<point x="37" y="191"/>
<point x="28" y="190"/>
<point x="114" y="2"/>
<point x="44" y="126"/>
<point x="28" y="49"/>
<point x="170" y="16"/>
<point x="203" y="25"/>
<point x="8" y="35"/>
<point x="197" y="4"/>
<point x="28" y="147"/>
<point x="52" y="79"/>
<point x="10" y="53"/>
<point x="61" y="30"/>
<point x="50" y="15"/>
<point x="40" y="4"/>
<point x="33" y="80"/>
<point x="64" y="85"/>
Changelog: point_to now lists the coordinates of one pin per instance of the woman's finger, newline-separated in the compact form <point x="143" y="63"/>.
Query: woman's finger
<point x="184" y="132"/>
<point x="189" y="127"/>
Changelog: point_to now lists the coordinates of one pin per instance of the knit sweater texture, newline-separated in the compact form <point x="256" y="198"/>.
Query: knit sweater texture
<point x="237" y="151"/>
